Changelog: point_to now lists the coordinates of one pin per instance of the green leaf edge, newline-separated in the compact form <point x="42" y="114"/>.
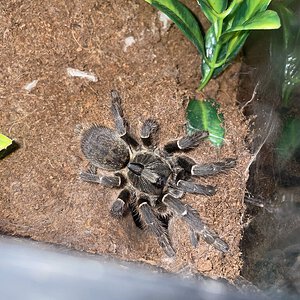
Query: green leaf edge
<point x="258" y="22"/>
<point x="4" y="142"/>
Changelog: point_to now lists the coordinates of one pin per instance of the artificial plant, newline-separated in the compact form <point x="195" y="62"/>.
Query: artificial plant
<point x="231" y="23"/>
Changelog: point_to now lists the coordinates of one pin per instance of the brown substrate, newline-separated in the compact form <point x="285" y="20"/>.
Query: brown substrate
<point x="41" y="194"/>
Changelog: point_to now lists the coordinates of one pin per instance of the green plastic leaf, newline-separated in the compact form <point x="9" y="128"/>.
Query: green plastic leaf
<point x="235" y="44"/>
<point x="203" y="115"/>
<point x="289" y="141"/>
<point x="254" y="6"/>
<point x="231" y="22"/>
<point x="207" y="10"/>
<point x="288" y="18"/>
<point x="291" y="76"/>
<point x="218" y="5"/>
<point x="263" y="20"/>
<point x="183" y="18"/>
<point x="230" y="50"/>
<point x="286" y="53"/>
<point x="4" y="142"/>
<point x="246" y="10"/>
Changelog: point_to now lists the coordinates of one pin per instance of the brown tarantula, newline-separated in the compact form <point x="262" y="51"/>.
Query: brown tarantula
<point x="153" y="180"/>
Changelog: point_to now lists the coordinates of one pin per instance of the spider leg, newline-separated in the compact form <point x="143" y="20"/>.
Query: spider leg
<point x="195" y="188"/>
<point x="148" y="129"/>
<point x="120" y="122"/>
<point x="192" y="218"/>
<point x="110" y="181"/>
<point x="155" y="225"/>
<point x="178" y="194"/>
<point x="205" y="169"/>
<point x="186" y="143"/>
<point x="194" y="237"/>
<point x="117" y="113"/>
<point x="121" y="204"/>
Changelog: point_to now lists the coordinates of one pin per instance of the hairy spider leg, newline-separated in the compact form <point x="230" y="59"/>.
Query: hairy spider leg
<point x="185" y="184"/>
<point x="117" y="113"/>
<point x="205" y="169"/>
<point x="120" y="122"/>
<point x="192" y="218"/>
<point x="195" y="188"/>
<point x="121" y="204"/>
<point x="194" y="237"/>
<point x="154" y="225"/>
<point x="186" y="143"/>
<point x="110" y="181"/>
<point x="148" y="130"/>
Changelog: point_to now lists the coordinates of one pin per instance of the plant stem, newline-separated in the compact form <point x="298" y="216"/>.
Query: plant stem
<point x="211" y="70"/>
<point x="218" y="27"/>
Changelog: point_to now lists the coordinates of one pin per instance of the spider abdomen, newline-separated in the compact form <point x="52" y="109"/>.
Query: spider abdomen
<point x="104" y="148"/>
<point x="153" y="175"/>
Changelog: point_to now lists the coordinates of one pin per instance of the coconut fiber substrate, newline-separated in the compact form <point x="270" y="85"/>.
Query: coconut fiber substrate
<point x="130" y="47"/>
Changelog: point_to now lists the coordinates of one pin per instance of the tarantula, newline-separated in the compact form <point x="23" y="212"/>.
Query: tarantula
<point x="153" y="180"/>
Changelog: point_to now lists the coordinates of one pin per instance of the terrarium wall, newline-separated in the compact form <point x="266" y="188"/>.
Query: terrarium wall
<point x="271" y="244"/>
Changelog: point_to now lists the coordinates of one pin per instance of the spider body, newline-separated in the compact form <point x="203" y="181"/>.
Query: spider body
<point x="153" y="180"/>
